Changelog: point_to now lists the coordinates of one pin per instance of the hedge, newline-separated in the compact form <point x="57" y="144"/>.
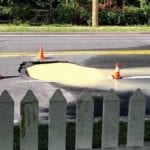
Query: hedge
<point x="79" y="15"/>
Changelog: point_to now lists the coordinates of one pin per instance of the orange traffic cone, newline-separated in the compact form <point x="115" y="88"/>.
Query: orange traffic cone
<point x="41" y="53"/>
<point x="117" y="71"/>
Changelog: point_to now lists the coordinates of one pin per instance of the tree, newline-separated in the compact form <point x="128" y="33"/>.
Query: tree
<point x="143" y="3"/>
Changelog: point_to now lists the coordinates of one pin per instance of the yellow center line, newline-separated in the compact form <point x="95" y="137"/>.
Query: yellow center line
<point x="102" y="52"/>
<point x="73" y="52"/>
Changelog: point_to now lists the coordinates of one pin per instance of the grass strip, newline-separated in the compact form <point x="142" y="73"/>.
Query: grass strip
<point x="73" y="28"/>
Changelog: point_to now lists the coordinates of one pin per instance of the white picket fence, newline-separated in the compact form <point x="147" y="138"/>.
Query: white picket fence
<point x="84" y="121"/>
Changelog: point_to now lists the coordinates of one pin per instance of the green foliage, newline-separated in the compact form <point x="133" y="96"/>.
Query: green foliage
<point x="83" y="1"/>
<point x="111" y="17"/>
<point x="134" y="15"/>
<point x="5" y="11"/>
<point x="23" y="16"/>
<point x="147" y="131"/>
<point x="135" y="3"/>
<point x="125" y="16"/>
<point x="43" y="137"/>
<point x="70" y="135"/>
<point x="143" y="3"/>
<point x="37" y="12"/>
<point x="81" y="16"/>
<point x="6" y="2"/>
<point x="72" y="14"/>
<point x="63" y="13"/>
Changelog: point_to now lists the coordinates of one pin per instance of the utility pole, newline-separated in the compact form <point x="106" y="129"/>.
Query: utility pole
<point x="94" y="13"/>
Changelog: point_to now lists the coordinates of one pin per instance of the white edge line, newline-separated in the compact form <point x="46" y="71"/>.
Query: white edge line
<point x="137" y="77"/>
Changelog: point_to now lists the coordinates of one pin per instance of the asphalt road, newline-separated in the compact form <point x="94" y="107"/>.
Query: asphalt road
<point x="18" y="85"/>
<point x="75" y="41"/>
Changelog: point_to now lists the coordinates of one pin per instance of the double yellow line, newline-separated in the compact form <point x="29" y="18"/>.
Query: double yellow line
<point x="77" y="52"/>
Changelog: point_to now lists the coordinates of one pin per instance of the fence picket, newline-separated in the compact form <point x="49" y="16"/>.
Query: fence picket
<point x="6" y="121"/>
<point x="29" y="122"/>
<point x="136" y="118"/>
<point x="84" y="121"/>
<point x="57" y="122"/>
<point x="110" y="122"/>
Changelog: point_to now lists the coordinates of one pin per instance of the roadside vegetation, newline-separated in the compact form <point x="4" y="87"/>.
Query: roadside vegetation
<point x="75" y="12"/>
<point x="70" y="137"/>
<point x="67" y="28"/>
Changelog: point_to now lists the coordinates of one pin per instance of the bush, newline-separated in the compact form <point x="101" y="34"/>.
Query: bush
<point x="63" y="14"/>
<point x="73" y="13"/>
<point x="81" y="16"/>
<point x="69" y="13"/>
<point x="125" y="16"/>
<point x="5" y="13"/>
<point x="21" y="13"/>
<point x="130" y="15"/>
<point x="70" y="135"/>
<point x="136" y="16"/>
<point x="111" y="17"/>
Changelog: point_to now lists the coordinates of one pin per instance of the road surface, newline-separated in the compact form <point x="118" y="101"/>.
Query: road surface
<point x="84" y="41"/>
<point x="16" y="49"/>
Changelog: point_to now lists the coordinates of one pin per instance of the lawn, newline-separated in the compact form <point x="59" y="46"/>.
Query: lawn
<point x="73" y="28"/>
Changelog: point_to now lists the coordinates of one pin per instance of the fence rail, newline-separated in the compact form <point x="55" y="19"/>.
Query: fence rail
<point x="84" y="121"/>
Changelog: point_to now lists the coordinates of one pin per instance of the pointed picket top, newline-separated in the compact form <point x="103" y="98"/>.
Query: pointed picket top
<point x="85" y="96"/>
<point x="58" y="96"/>
<point x="5" y="97"/>
<point x="111" y="96"/>
<point x="29" y="97"/>
<point x="137" y="96"/>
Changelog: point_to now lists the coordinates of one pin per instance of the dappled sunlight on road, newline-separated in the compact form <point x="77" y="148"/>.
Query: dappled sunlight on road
<point x="68" y="74"/>
<point x="73" y="75"/>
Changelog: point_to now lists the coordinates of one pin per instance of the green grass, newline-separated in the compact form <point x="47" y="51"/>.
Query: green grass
<point x="72" y="28"/>
<point x="70" y="135"/>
